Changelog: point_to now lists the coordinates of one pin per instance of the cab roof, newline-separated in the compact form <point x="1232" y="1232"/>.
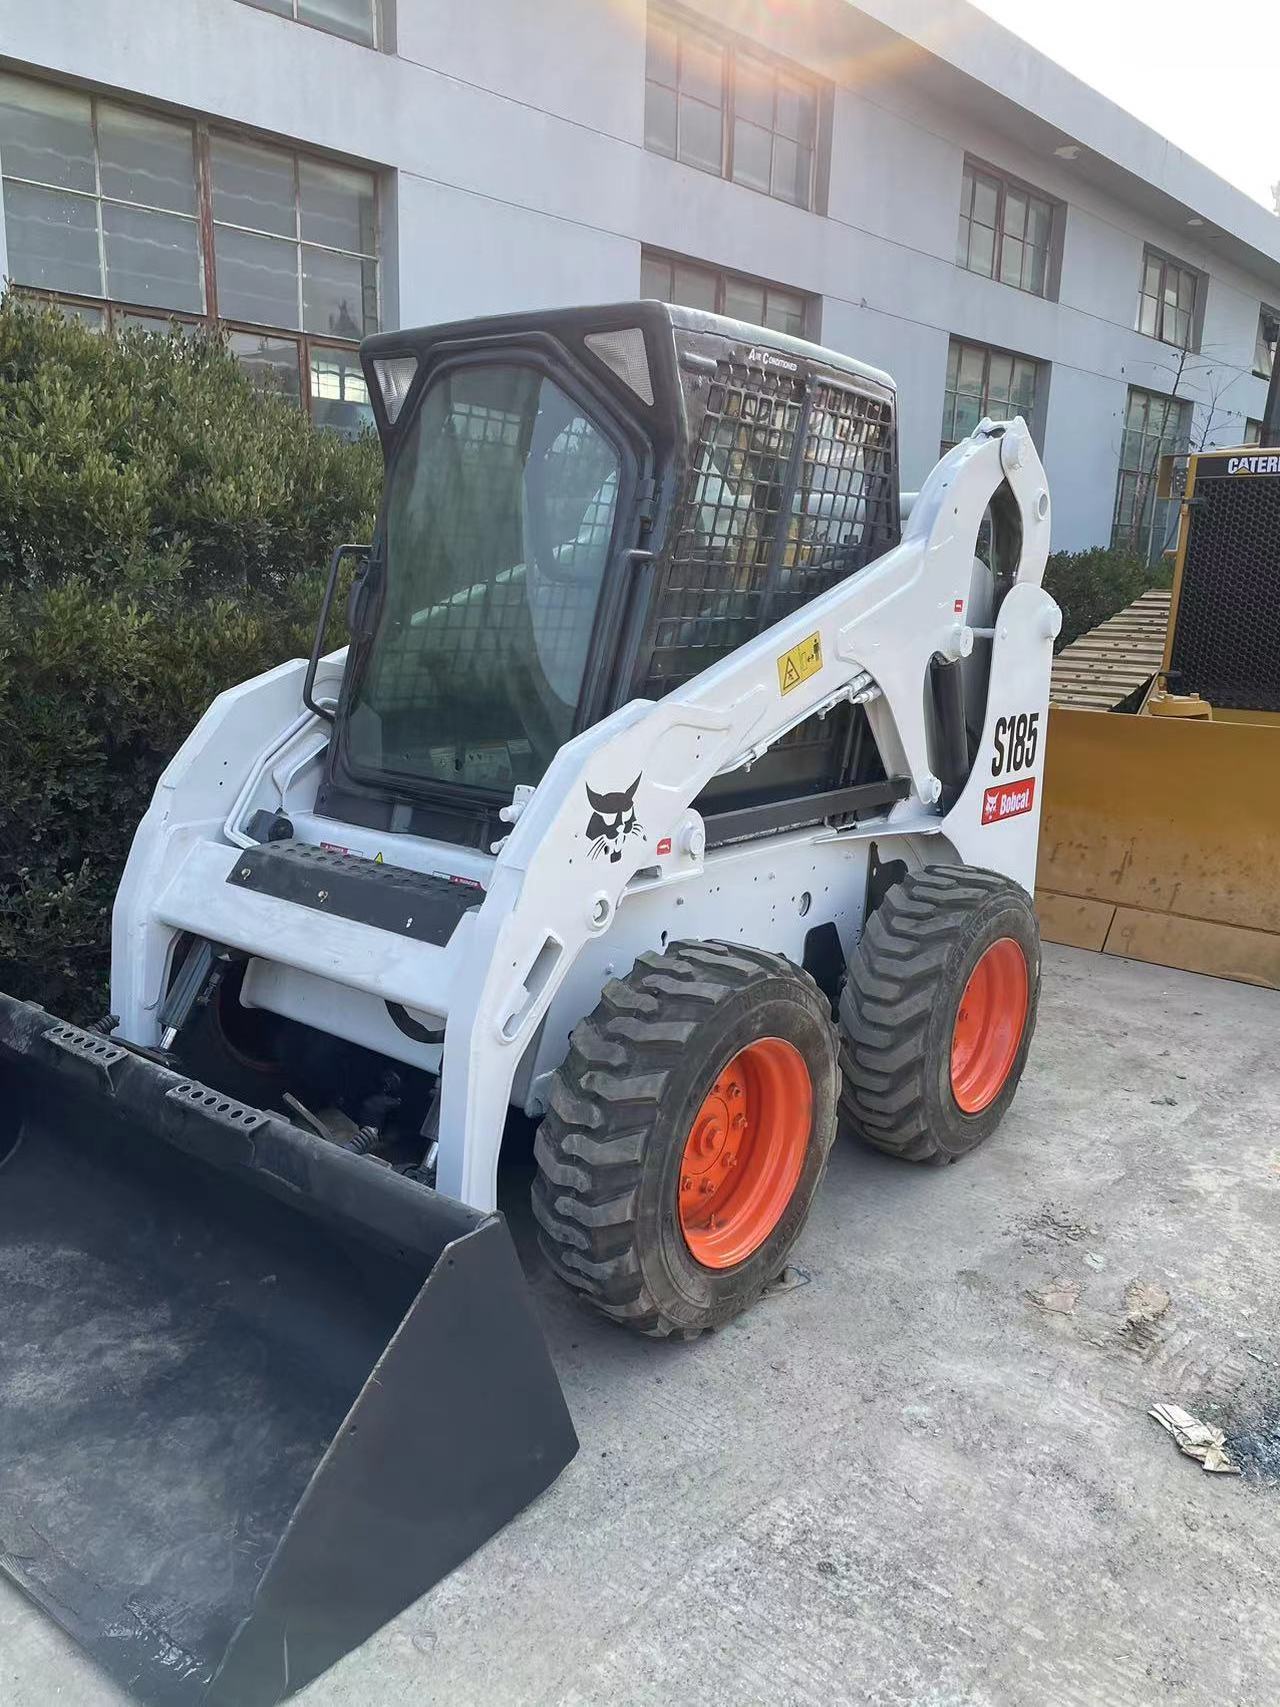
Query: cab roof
<point x="612" y="315"/>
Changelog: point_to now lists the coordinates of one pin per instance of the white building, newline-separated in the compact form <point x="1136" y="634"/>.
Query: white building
<point x="901" y="179"/>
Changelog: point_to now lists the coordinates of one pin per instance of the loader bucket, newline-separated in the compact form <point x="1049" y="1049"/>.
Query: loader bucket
<point x="1158" y="841"/>
<point x="256" y="1394"/>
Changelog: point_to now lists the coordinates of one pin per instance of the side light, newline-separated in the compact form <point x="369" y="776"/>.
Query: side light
<point x="623" y="353"/>
<point x="395" y="376"/>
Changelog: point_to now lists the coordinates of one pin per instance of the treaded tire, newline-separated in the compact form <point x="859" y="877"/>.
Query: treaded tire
<point x="620" y="1109"/>
<point x="899" y="1004"/>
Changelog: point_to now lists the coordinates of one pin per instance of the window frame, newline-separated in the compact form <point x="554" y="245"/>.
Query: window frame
<point x="203" y="132"/>
<point x="1253" y="428"/>
<point x="1004" y="182"/>
<point x="99" y="200"/>
<point x="377" y="10"/>
<point x="112" y="311"/>
<point x="723" y="276"/>
<point x="1132" y="538"/>
<point x="1196" y="313"/>
<point x="1036" y="417"/>
<point x="212" y="224"/>
<point x="1265" y="312"/>
<point x="732" y="47"/>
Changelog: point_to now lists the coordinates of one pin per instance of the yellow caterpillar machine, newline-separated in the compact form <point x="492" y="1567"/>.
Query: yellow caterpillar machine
<point x="1161" y="831"/>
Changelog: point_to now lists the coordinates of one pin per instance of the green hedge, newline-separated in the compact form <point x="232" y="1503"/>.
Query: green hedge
<point x="164" y="531"/>
<point x="1093" y="585"/>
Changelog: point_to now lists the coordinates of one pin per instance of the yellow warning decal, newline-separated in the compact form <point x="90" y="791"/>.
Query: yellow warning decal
<point x="800" y="663"/>
<point x="377" y="859"/>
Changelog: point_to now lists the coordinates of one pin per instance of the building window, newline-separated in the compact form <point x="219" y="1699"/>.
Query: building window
<point x="1154" y="426"/>
<point x="727" y="108"/>
<point x="106" y="209"/>
<point x="985" y="382"/>
<point x="1265" y="351"/>
<point x="692" y="285"/>
<point x="357" y="20"/>
<point x="294" y="241"/>
<point x="99" y="200"/>
<point x="1167" y="300"/>
<point x="339" y="395"/>
<point x="1252" y="431"/>
<point x="1006" y="230"/>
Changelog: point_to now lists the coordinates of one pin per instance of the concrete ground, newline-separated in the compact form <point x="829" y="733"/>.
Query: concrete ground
<point x="927" y="1477"/>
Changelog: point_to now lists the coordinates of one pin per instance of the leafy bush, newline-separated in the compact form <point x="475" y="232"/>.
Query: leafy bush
<point x="1093" y="585"/>
<point x="164" y="532"/>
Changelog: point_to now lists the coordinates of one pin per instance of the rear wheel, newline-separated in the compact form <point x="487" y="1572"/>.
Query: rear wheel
<point x="688" y="1129"/>
<point x="938" y="1011"/>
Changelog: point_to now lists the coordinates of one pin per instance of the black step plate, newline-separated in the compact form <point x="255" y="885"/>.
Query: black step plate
<point x="415" y="904"/>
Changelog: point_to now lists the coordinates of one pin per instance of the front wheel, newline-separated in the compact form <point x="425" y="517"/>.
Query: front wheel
<point x="688" y="1130"/>
<point x="937" y="1012"/>
<point x="231" y="1048"/>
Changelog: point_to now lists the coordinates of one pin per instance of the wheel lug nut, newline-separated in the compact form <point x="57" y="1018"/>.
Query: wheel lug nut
<point x="706" y="1187"/>
<point x="686" y="1184"/>
<point x="739" y="1121"/>
<point x="735" y="1089"/>
<point x="730" y="1160"/>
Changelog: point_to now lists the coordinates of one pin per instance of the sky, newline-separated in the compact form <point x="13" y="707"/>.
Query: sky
<point x="1207" y="76"/>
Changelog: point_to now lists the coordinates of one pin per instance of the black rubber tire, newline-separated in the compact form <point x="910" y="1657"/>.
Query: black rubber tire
<point x="620" y="1109"/>
<point x="899" y="1004"/>
<point x="230" y="1048"/>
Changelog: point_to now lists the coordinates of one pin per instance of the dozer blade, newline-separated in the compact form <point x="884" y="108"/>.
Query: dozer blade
<point x="256" y="1394"/>
<point x="1158" y="841"/>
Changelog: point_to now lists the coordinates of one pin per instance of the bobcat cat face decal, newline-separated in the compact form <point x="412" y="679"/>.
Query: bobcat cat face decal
<point x="612" y="820"/>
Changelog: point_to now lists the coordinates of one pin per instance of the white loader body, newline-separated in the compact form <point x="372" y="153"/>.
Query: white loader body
<point x="573" y="895"/>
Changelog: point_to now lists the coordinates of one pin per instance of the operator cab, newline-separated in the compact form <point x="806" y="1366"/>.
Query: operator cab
<point x="582" y="508"/>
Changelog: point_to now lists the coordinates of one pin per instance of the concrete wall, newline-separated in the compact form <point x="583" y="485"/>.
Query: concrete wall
<point x="509" y="138"/>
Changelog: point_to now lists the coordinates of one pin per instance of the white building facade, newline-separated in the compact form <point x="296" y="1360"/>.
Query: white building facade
<point x="903" y="181"/>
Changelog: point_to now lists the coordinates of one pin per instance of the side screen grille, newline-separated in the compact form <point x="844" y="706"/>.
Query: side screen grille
<point x="713" y="595"/>
<point x="742" y="558"/>
<point x="1226" y="640"/>
<point x="846" y="510"/>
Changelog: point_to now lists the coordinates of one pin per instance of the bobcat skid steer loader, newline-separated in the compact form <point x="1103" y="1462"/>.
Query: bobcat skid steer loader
<point x="668" y="792"/>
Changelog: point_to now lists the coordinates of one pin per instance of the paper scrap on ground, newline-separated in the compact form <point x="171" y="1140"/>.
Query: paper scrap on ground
<point x="1198" y="1440"/>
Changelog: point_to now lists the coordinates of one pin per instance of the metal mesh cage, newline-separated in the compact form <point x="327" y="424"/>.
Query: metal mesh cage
<point x="740" y="560"/>
<point x="845" y="511"/>
<point x="745" y="555"/>
<point x="1226" y="641"/>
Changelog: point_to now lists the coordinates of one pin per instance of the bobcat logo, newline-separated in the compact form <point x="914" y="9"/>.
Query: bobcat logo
<point x="612" y="820"/>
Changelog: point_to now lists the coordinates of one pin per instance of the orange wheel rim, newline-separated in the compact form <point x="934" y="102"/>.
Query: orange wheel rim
<point x="989" y="1025"/>
<point x="744" y="1154"/>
